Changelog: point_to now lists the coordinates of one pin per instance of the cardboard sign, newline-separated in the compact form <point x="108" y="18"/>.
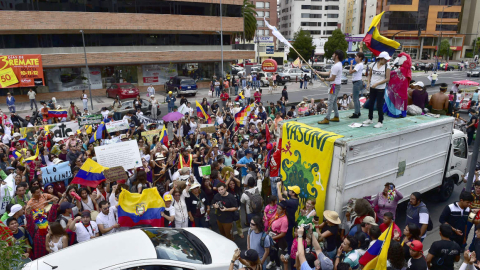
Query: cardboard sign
<point x="56" y="173"/>
<point x="115" y="174"/>
<point x="150" y="134"/>
<point x="90" y="119"/>
<point x="125" y="154"/>
<point x="208" y="128"/>
<point x="117" y="126"/>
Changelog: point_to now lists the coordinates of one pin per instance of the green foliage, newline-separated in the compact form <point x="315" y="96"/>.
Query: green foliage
<point x="303" y="44"/>
<point x="11" y="255"/>
<point x="336" y="42"/>
<point x="249" y="20"/>
<point x="444" y="48"/>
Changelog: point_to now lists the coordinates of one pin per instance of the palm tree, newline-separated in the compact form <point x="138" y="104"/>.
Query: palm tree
<point x="249" y="20"/>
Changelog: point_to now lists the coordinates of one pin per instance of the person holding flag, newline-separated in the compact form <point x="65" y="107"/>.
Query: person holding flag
<point x="202" y="114"/>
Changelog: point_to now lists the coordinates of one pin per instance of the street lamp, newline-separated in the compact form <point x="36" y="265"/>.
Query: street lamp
<point x="88" y="71"/>
<point x="221" y="35"/>
<point x="441" y="22"/>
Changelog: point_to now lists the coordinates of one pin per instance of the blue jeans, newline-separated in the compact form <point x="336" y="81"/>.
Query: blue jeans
<point x="433" y="83"/>
<point x="244" y="83"/>
<point x="117" y="116"/>
<point x="273" y="185"/>
<point x="301" y="84"/>
<point x="236" y="89"/>
<point x="332" y="103"/>
<point x="331" y="254"/>
<point x="170" y="108"/>
<point x="11" y="109"/>
<point x="32" y="102"/>
<point x="217" y="91"/>
<point x="357" y="88"/>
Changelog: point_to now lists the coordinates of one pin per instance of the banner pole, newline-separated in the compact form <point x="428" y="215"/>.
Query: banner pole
<point x="307" y="64"/>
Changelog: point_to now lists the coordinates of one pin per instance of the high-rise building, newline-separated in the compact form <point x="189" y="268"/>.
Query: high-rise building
<point x="470" y="25"/>
<point x="320" y="18"/>
<point x="420" y="25"/>
<point x="138" y="41"/>
<point x="264" y="40"/>
<point x="353" y="17"/>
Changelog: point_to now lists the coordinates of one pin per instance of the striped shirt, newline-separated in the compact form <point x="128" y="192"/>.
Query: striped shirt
<point x="41" y="203"/>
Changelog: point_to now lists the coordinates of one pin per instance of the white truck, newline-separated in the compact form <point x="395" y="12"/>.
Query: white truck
<point x="416" y="153"/>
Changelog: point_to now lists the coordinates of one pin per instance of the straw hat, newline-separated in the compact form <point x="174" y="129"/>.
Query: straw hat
<point x="332" y="216"/>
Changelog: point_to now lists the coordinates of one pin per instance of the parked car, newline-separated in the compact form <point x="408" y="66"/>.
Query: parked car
<point x="474" y="72"/>
<point x="344" y="78"/>
<point x="294" y="73"/>
<point x="127" y="105"/>
<point x="263" y="77"/>
<point x="253" y="70"/>
<point x="181" y="85"/>
<point x="122" y="91"/>
<point x="155" y="248"/>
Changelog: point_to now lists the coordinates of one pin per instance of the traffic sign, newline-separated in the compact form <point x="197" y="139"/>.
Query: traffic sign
<point x="472" y="65"/>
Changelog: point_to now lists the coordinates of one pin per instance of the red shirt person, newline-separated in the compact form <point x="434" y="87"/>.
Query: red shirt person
<point x="387" y="220"/>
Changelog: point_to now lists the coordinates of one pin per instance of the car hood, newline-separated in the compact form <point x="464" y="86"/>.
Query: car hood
<point x="221" y="249"/>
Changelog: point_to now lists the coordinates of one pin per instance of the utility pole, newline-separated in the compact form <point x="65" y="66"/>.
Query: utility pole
<point x="88" y="71"/>
<point x="221" y="35"/>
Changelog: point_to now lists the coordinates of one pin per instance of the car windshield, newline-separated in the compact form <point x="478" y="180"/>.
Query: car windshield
<point x="171" y="244"/>
<point x="127" y="86"/>
<point x="187" y="82"/>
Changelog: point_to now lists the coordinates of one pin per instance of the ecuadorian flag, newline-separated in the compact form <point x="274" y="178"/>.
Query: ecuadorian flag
<point x="378" y="43"/>
<point x="376" y="255"/>
<point x="90" y="174"/>
<point x="57" y="113"/>
<point x="163" y="138"/>
<point x="140" y="209"/>
<point x="30" y="159"/>
<point x="201" y="113"/>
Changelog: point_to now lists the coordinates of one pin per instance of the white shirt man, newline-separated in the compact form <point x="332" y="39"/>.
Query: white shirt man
<point x="151" y="90"/>
<point x="84" y="232"/>
<point x="246" y="91"/>
<point x="107" y="222"/>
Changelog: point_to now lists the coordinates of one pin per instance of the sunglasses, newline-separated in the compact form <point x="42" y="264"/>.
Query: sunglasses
<point x="253" y="224"/>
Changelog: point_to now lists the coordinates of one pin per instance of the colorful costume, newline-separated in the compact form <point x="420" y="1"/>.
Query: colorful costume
<point x="396" y="94"/>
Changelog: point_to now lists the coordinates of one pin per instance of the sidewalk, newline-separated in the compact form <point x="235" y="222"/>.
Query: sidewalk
<point x="63" y="98"/>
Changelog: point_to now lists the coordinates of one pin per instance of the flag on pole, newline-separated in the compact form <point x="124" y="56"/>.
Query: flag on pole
<point x="241" y="117"/>
<point x="99" y="133"/>
<point x="202" y="114"/>
<point x="163" y="139"/>
<point x="267" y="134"/>
<point x="297" y="63"/>
<point x="277" y="34"/>
<point x="90" y="174"/>
<point x="376" y="255"/>
<point x="378" y="43"/>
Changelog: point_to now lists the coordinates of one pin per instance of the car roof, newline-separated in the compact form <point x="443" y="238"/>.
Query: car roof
<point x="102" y="252"/>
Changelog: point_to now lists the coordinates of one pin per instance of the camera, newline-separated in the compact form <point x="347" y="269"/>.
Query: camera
<point x="306" y="227"/>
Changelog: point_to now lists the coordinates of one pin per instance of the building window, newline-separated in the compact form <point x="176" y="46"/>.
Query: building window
<point x="312" y="16"/>
<point x="289" y="24"/>
<point x="330" y="24"/>
<point x="308" y="23"/>
<point x="260" y="33"/>
<point x="446" y="27"/>
<point x="260" y="14"/>
<point x="316" y="32"/>
<point x="400" y="2"/>
<point x="260" y="5"/>
<point x="448" y="15"/>
<point x="332" y="15"/>
<point x="260" y="23"/>
<point x="267" y="4"/>
<point x="332" y="8"/>
<point x="267" y="14"/>
<point x="290" y="8"/>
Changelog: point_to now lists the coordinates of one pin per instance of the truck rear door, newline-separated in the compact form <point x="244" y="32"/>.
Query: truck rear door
<point x="457" y="159"/>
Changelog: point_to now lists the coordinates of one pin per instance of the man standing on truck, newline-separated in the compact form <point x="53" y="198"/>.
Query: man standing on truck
<point x="336" y="81"/>
<point x="292" y="205"/>
<point x="439" y="101"/>
<point x="456" y="215"/>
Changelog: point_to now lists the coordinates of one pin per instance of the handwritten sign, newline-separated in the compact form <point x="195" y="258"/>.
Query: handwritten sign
<point x="208" y="128"/>
<point x="150" y="134"/>
<point x="115" y="174"/>
<point x="125" y="154"/>
<point x="56" y="173"/>
<point x="117" y="126"/>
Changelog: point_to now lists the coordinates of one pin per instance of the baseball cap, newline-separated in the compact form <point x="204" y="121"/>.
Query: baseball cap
<point x="15" y="208"/>
<point x="247" y="152"/>
<point x="419" y="84"/>
<point x="384" y="55"/>
<point x="369" y="220"/>
<point x="416" y="245"/>
<point x="295" y="189"/>
<point x="167" y="197"/>
<point x="251" y="255"/>
<point x="86" y="213"/>
<point x="66" y="205"/>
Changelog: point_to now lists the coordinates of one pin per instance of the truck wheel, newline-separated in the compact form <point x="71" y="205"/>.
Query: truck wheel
<point x="446" y="190"/>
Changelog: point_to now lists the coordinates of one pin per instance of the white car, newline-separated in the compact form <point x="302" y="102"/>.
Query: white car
<point x="146" y="249"/>
<point x="254" y="69"/>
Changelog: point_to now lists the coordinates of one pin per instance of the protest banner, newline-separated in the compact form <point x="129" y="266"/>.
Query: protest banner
<point x="115" y="174"/>
<point x="183" y="109"/>
<point x="208" y="128"/>
<point x="204" y="170"/>
<point x="21" y="70"/>
<point x="56" y="173"/>
<point x="7" y="192"/>
<point x="90" y="119"/>
<point x="125" y="154"/>
<point x="59" y="131"/>
<point x="117" y="126"/>
<point x="150" y="134"/>
<point x="146" y="120"/>
<point x="307" y="154"/>
<point x="110" y="141"/>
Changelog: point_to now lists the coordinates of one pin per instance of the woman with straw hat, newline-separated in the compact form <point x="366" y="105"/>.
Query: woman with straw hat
<point x="329" y="230"/>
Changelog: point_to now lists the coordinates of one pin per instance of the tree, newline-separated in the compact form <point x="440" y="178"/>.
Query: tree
<point x="303" y="43"/>
<point x="249" y="20"/>
<point x="444" y="48"/>
<point x="335" y="42"/>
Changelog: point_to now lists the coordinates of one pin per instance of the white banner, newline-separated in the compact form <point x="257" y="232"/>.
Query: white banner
<point x="125" y="154"/>
<point x="145" y="120"/>
<point x="117" y="126"/>
<point x="62" y="129"/>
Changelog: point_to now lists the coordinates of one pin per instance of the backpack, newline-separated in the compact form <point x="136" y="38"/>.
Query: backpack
<point x="256" y="201"/>
<point x="262" y="240"/>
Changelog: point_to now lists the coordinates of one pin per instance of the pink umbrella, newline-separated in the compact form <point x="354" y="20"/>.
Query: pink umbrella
<point x="466" y="82"/>
<point x="173" y="116"/>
